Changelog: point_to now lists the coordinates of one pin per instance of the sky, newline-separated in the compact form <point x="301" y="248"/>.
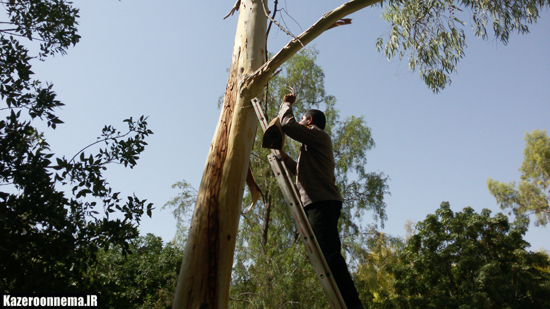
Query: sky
<point x="169" y="60"/>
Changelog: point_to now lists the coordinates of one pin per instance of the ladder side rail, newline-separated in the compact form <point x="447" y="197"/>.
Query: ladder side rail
<point x="259" y="113"/>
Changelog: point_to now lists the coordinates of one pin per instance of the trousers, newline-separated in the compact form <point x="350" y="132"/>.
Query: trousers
<point x="323" y="217"/>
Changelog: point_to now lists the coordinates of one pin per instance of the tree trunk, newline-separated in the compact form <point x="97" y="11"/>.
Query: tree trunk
<point x="205" y="273"/>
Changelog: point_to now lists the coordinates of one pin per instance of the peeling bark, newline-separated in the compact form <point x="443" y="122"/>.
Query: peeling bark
<point x="205" y="273"/>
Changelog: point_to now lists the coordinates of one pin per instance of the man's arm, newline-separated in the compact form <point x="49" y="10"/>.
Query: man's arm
<point x="295" y="130"/>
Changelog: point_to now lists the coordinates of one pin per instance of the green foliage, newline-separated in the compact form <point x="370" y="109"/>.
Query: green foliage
<point x="532" y="194"/>
<point x="50" y="225"/>
<point x="52" y="22"/>
<point x="469" y="260"/>
<point x="432" y="35"/>
<point x="183" y="205"/>
<point x="547" y="267"/>
<point x="373" y="280"/>
<point x="143" y="277"/>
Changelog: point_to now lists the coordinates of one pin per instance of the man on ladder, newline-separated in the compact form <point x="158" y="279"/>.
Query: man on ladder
<point x="317" y="188"/>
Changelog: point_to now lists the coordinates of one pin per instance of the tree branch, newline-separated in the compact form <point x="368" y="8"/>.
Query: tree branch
<point x="252" y="84"/>
<point x="100" y="141"/>
<point x="234" y="9"/>
<point x="10" y="32"/>
<point x="276" y="23"/>
<point x="272" y="17"/>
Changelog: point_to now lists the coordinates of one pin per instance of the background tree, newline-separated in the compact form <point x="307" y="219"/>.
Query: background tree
<point x="182" y="206"/>
<point x="375" y="283"/>
<point x="532" y="194"/>
<point x="145" y="277"/>
<point x="469" y="260"/>
<point x="54" y="212"/>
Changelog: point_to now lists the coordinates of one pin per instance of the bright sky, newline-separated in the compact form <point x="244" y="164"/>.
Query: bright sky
<point x="168" y="60"/>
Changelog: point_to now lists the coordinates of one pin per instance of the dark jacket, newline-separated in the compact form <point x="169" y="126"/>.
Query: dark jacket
<point x="315" y="168"/>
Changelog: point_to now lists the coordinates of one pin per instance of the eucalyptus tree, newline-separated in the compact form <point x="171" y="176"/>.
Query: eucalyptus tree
<point x="426" y="32"/>
<point x="532" y="194"/>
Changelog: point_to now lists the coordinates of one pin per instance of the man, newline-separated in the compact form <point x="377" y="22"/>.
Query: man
<point x="317" y="188"/>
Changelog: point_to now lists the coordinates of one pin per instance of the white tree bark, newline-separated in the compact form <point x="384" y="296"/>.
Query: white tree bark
<point x="205" y="273"/>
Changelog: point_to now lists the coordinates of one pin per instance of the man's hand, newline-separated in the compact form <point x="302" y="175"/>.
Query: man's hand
<point x="290" y="98"/>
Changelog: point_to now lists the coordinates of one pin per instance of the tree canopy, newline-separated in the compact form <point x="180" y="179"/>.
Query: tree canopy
<point x="55" y="212"/>
<point x="532" y="194"/>
<point x="375" y="283"/>
<point x="469" y="260"/>
<point x="145" y="277"/>
<point x="431" y="33"/>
